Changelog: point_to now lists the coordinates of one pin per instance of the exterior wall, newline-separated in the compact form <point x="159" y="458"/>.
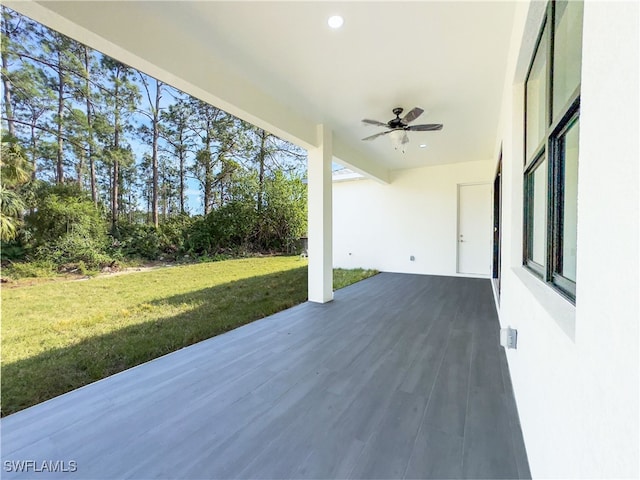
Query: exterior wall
<point x="576" y="370"/>
<point x="382" y="226"/>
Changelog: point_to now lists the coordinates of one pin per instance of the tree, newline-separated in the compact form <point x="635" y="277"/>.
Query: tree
<point x="175" y="129"/>
<point x="74" y="112"/>
<point x="121" y="97"/>
<point x="33" y="102"/>
<point x="217" y="131"/>
<point x="67" y="228"/>
<point x="90" y="66"/>
<point x="62" y="56"/>
<point x="7" y="32"/>
<point x="283" y="219"/>
<point x="14" y="172"/>
<point x="268" y="154"/>
<point x="25" y="91"/>
<point x="154" y="116"/>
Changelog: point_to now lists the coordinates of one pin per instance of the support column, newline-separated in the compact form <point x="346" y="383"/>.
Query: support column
<point x="320" y="223"/>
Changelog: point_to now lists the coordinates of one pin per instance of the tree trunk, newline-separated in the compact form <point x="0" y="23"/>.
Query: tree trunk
<point x="261" y="158"/>
<point x="207" y="171"/>
<point x="92" y="166"/>
<point x="154" y="156"/>
<point x="34" y="152"/>
<point x="6" y="84"/>
<point x="181" y="172"/>
<point x="59" y="161"/>
<point x="116" y="150"/>
<point x="207" y="185"/>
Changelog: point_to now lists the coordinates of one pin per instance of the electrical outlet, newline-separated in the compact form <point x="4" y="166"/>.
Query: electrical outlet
<point x="509" y="337"/>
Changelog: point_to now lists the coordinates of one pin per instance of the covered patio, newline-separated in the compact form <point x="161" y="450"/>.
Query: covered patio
<point x="401" y="376"/>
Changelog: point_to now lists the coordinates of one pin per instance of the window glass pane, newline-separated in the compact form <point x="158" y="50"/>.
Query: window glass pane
<point x="570" y="203"/>
<point x="536" y="97"/>
<point x="567" y="52"/>
<point x="539" y="213"/>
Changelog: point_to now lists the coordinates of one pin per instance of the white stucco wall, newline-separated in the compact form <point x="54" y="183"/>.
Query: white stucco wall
<point x="576" y="370"/>
<point x="382" y="225"/>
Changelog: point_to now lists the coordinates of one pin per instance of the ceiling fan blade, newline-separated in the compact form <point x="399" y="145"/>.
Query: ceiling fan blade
<point x="373" y="122"/>
<point x="377" y="135"/>
<point x="412" y="115"/>
<point x="425" y="128"/>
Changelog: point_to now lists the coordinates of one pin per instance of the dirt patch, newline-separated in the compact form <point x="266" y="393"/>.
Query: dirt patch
<point x="110" y="272"/>
<point x="72" y="276"/>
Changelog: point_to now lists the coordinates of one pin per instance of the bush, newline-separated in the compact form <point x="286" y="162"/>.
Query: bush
<point x="173" y="233"/>
<point x="283" y="218"/>
<point x="228" y="229"/>
<point x="35" y="269"/>
<point x="12" y="251"/>
<point x="63" y="210"/>
<point x="75" y="248"/>
<point x="131" y="240"/>
<point x="67" y="228"/>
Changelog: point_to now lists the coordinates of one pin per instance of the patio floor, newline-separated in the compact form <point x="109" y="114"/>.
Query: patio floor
<point x="401" y="376"/>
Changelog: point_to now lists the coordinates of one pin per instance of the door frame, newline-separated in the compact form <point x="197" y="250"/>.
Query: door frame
<point x="459" y="185"/>
<point x="496" y="270"/>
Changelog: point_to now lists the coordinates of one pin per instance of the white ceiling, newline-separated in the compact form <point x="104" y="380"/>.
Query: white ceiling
<point x="279" y="65"/>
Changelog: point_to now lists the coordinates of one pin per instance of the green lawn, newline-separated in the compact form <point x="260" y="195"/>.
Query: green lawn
<point x="61" y="335"/>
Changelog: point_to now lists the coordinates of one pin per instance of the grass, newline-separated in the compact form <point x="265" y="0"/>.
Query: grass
<point x="62" y="335"/>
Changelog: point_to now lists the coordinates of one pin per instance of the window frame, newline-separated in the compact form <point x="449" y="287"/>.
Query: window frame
<point x="537" y="268"/>
<point x="550" y="148"/>
<point x="541" y="147"/>
<point x="572" y="117"/>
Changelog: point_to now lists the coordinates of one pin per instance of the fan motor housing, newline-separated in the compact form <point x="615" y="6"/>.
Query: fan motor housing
<point x="396" y="122"/>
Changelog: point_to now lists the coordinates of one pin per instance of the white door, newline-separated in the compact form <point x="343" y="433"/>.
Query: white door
<point x="474" y="229"/>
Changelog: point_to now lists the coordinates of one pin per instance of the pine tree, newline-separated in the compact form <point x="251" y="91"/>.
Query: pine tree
<point x="153" y="114"/>
<point x="178" y="135"/>
<point x="121" y="96"/>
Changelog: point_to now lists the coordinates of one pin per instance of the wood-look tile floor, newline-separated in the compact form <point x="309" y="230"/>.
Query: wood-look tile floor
<point x="401" y="376"/>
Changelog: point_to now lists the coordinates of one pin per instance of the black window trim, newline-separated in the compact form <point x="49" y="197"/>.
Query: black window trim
<point x="542" y="144"/>
<point x="538" y="269"/>
<point x="565" y="285"/>
<point x="549" y="149"/>
<point x="497" y="228"/>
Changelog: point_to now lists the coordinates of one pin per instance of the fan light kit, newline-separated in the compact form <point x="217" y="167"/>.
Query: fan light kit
<point x="335" y="21"/>
<point x="398" y="127"/>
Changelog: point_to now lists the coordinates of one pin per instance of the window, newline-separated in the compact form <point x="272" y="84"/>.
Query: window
<point x="537" y="97"/>
<point x="552" y="126"/>
<point x="565" y="223"/>
<point x="567" y="53"/>
<point x="536" y="216"/>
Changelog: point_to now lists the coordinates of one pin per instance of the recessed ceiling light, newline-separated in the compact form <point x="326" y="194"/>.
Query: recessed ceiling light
<point x="335" y="21"/>
<point x="423" y="145"/>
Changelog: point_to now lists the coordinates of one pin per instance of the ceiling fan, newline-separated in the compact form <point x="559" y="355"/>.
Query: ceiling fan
<point x="400" y="126"/>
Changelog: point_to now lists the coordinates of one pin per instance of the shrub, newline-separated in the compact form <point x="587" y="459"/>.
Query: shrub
<point x="12" y="251"/>
<point x="197" y="239"/>
<point x="67" y="228"/>
<point x="132" y="240"/>
<point x="227" y="229"/>
<point x="75" y="248"/>
<point x="173" y="233"/>
<point x="63" y="210"/>
<point x="35" y="269"/>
